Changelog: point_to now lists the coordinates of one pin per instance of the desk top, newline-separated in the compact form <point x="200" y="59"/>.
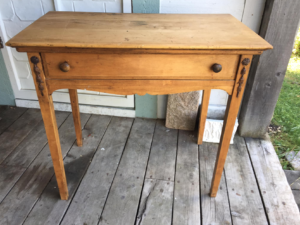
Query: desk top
<point x="147" y="31"/>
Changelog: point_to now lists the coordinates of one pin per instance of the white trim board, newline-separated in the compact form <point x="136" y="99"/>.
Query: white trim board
<point x="83" y="108"/>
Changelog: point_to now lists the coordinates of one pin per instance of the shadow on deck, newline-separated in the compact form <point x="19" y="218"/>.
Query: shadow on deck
<point x="135" y="171"/>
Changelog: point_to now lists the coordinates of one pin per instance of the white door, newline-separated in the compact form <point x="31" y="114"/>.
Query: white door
<point x="18" y="14"/>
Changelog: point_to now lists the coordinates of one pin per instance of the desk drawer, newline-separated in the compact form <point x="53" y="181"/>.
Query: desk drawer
<point x="139" y="66"/>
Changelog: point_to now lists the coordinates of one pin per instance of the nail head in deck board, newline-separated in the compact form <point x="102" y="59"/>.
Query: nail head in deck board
<point x="9" y="175"/>
<point x="31" y="146"/>
<point x="22" y="197"/>
<point x="161" y="163"/>
<point x="213" y="210"/>
<point x="123" y="199"/>
<point x="50" y="209"/>
<point x="187" y="193"/>
<point x="156" y="203"/>
<point x="8" y="115"/>
<point x="276" y="193"/>
<point x="245" y="202"/>
<point x="14" y="134"/>
<point x="88" y="202"/>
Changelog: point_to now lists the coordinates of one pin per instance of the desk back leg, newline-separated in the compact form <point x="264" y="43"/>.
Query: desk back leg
<point x="76" y="115"/>
<point x="203" y="114"/>
<point x="232" y="110"/>
<point x="48" y="114"/>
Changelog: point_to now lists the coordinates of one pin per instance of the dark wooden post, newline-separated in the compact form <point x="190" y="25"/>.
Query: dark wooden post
<point x="279" y="26"/>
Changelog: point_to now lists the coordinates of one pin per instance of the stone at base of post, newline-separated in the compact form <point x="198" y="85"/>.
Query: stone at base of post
<point x="182" y="110"/>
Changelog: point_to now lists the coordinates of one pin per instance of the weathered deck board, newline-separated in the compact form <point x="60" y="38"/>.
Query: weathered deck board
<point x="245" y="203"/>
<point x="214" y="210"/>
<point x="276" y="193"/>
<point x="187" y="192"/>
<point x="9" y="175"/>
<point x="31" y="146"/>
<point x="8" y="115"/>
<point x="49" y="209"/>
<point x="89" y="200"/>
<point x="161" y="165"/>
<point x="26" y="152"/>
<point x="14" y="134"/>
<point x="156" y="203"/>
<point x="117" y="187"/>
<point x="20" y="200"/>
<point x="123" y="199"/>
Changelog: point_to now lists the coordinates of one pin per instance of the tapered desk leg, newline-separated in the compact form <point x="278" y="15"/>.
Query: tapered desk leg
<point x="76" y="115"/>
<point x="229" y="121"/>
<point x="203" y="114"/>
<point x="48" y="114"/>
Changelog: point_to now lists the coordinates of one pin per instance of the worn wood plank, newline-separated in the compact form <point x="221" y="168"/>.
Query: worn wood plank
<point x="161" y="165"/>
<point x="245" y="202"/>
<point x="157" y="196"/>
<point x="16" y="133"/>
<point x="268" y="70"/>
<point x="89" y="200"/>
<point x="31" y="146"/>
<point x="8" y="177"/>
<point x="49" y="209"/>
<point x="8" y="115"/>
<point x="186" y="192"/>
<point x="123" y="199"/>
<point x="276" y="193"/>
<point x="213" y="210"/>
<point x="156" y="203"/>
<point x="20" y="200"/>
<point x="24" y="154"/>
<point x="131" y="30"/>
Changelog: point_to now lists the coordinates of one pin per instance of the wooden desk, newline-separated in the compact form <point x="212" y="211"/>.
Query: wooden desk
<point x="138" y="54"/>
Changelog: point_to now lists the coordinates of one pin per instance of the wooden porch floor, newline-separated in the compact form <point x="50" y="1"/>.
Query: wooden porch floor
<point x="135" y="171"/>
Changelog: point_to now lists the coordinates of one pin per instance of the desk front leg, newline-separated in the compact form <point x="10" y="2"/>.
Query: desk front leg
<point x="232" y="110"/>
<point x="48" y="114"/>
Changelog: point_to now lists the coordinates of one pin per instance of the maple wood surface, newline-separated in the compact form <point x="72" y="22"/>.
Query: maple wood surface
<point x="76" y="115"/>
<point x="138" y="54"/>
<point x="139" y="66"/>
<point x="48" y="114"/>
<point x="232" y="109"/>
<point x="160" y="31"/>
<point x="141" y="87"/>
<point x="203" y="114"/>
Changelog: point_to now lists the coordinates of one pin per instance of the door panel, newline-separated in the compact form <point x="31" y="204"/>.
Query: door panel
<point x="16" y="15"/>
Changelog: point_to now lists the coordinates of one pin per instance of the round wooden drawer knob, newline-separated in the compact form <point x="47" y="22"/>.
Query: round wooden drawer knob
<point x="65" y="67"/>
<point x="217" y="68"/>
